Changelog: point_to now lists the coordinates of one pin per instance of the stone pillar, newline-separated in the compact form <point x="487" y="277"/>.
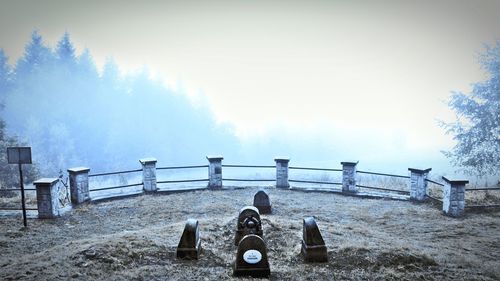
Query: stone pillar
<point x="47" y="198"/>
<point x="282" y="172"/>
<point x="148" y="174"/>
<point x="79" y="184"/>
<point x="349" y="177"/>
<point x="215" y="172"/>
<point x="454" y="197"/>
<point x="418" y="184"/>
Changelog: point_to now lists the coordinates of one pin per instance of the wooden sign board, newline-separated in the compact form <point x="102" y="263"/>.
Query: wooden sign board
<point x="19" y="155"/>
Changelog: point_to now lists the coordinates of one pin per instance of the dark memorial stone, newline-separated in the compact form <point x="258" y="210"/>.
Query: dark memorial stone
<point x="190" y="245"/>
<point x="262" y="202"/>
<point x="248" y="223"/>
<point x="313" y="245"/>
<point x="251" y="258"/>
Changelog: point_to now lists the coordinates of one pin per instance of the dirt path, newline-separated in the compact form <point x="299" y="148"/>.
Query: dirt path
<point x="136" y="239"/>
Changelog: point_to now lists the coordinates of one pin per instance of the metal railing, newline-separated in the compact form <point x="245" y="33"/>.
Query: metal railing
<point x="248" y="166"/>
<point x="180" y="181"/>
<point x="434" y="182"/>
<point x="400" y="191"/>
<point x="115" y="186"/>
<point x="20" y="206"/>
<point x="247" y="179"/>
<point x="115" y="173"/>
<point x="483" y="206"/>
<point x="315" y="169"/>
<point x="382" y="174"/>
<point x="314" y="181"/>
<point x="181" y="167"/>
<point x="171" y="181"/>
<point x="383" y="189"/>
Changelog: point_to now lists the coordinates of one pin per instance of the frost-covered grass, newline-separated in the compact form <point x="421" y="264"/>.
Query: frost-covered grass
<point x="367" y="239"/>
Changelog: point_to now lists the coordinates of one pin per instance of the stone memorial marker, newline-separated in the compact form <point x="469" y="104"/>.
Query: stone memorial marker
<point x="190" y="244"/>
<point x="248" y="223"/>
<point x="251" y="258"/>
<point x="313" y="245"/>
<point x="262" y="202"/>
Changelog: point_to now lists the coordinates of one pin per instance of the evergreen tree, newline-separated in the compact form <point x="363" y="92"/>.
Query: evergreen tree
<point x="5" y="74"/>
<point x="86" y="65"/>
<point x="65" y="51"/>
<point x="477" y="126"/>
<point x="36" y="55"/>
<point x="9" y="176"/>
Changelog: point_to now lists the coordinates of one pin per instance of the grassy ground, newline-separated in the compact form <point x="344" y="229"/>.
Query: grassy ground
<point x="136" y="239"/>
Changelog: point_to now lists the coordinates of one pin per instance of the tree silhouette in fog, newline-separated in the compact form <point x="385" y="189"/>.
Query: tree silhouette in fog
<point x="72" y="115"/>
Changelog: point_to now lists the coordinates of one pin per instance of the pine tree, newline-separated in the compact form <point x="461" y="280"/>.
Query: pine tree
<point x="5" y="74"/>
<point x="86" y="65"/>
<point x="36" y="55"/>
<point x="111" y="74"/>
<point x="65" y="51"/>
<point x="9" y="177"/>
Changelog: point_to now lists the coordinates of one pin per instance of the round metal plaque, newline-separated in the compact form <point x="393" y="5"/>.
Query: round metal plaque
<point x="252" y="256"/>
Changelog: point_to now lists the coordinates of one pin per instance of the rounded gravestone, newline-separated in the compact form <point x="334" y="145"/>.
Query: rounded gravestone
<point x="262" y="202"/>
<point x="190" y="244"/>
<point x="249" y="222"/>
<point x="313" y="245"/>
<point x="251" y="258"/>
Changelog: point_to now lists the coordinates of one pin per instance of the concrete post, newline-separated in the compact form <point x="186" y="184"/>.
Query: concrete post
<point x="47" y="198"/>
<point x="148" y="174"/>
<point x="418" y="184"/>
<point x="349" y="177"/>
<point x="79" y="184"/>
<point x="454" y="197"/>
<point x="215" y="172"/>
<point x="282" y="172"/>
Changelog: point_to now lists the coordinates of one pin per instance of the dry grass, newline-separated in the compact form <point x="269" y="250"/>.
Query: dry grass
<point x="136" y="238"/>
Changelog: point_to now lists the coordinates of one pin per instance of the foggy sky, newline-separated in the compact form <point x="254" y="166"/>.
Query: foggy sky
<point x="371" y="74"/>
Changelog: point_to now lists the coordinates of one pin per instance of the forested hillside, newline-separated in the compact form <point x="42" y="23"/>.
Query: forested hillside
<point x="71" y="113"/>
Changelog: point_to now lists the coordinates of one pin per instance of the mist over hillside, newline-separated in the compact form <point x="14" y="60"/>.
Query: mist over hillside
<point x="74" y="114"/>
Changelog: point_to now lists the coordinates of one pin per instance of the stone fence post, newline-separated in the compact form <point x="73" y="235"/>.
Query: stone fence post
<point x="148" y="174"/>
<point x="282" y="172"/>
<point x="215" y="172"/>
<point x="79" y="184"/>
<point x="418" y="184"/>
<point x="454" y="197"/>
<point x="349" y="177"/>
<point x="47" y="198"/>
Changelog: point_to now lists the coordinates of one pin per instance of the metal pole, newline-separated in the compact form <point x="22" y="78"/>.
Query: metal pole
<point x="22" y="196"/>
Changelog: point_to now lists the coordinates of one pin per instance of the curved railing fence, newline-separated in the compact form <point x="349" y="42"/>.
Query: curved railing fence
<point x="417" y="185"/>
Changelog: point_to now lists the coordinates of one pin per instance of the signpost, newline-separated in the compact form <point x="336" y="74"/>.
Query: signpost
<point x="20" y="155"/>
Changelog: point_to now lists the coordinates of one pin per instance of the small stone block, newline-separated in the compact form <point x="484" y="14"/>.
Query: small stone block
<point x="262" y="202"/>
<point x="148" y="160"/>
<point x="78" y="170"/>
<point x="420" y="171"/>
<point x="455" y="181"/>
<point x="313" y="245"/>
<point x="190" y="244"/>
<point x="282" y="159"/>
<point x="216" y="158"/>
<point x="251" y="258"/>
<point x="248" y="223"/>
